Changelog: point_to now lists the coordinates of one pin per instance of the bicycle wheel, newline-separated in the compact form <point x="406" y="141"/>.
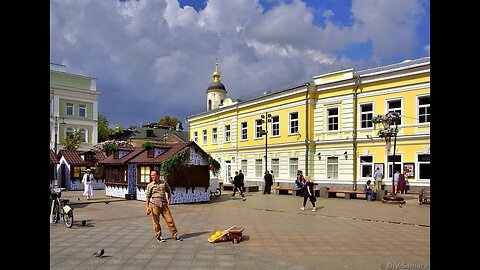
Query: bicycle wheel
<point x="217" y="192"/>
<point x="68" y="218"/>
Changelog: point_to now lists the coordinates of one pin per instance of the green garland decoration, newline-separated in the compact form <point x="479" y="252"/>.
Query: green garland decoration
<point x="176" y="162"/>
<point x="214" y="166"/>
<point x="147" y="145"/>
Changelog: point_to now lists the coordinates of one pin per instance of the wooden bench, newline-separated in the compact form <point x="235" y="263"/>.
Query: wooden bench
<point x="249" y="188"/>
<point x="424" y="196"/>
<point x="349" y="194"/>
<point x="287" y="191"/>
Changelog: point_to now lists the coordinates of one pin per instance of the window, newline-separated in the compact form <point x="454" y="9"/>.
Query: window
<point x="366" y="166"/>
<point x="398" y="164"/>
<point x="244" y="167"/>
<point x="395" y="106"/>
<point x="116" y="174"/>
<point x="227" y="133"/>
<point x="332" y="167"/>
<point x="195" y="136"/>
<point x="77" y="172"/>
<point x="424" y="109"/>
<point x="145" y="174"/>
<point x="275" y="166"/>
<point x="258" y="128"/>
<point x="424" y="167"/>
<point x="332" y="119"/>
<point x="82" y="110"/>
<point x="69" y="108"/>
<point x="69" y="130"/>
<point x="293" y="167"/>
<point x="204" y="136"/>
<point x="366" y="114"/>
<point x="275" y="126"/>
<point x="214" y="135"/>
<point x="244" y="131"/>
<point x="258" y="168"/>
<point x="83" y="135"/>
<point x="293" y="125"/>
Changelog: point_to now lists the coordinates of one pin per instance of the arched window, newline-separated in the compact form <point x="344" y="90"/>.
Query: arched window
<point x="69" y="130"/>
<point x="209" y="104"/>
<point x="83" y="134"/>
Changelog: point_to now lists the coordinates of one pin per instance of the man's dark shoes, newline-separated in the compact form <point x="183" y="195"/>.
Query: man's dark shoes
<point x="161" y="240"/>
<point x="178" y="238"/>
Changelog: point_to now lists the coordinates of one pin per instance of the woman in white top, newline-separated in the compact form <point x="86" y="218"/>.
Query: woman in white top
<point x="87" y="182"/>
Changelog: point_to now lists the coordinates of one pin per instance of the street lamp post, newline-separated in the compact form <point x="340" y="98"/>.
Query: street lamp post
<point x="55" y="127"/>
<point x="267" y="118"/>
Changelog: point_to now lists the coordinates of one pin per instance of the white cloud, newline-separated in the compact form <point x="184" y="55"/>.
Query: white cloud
<point x="154" y="58"/>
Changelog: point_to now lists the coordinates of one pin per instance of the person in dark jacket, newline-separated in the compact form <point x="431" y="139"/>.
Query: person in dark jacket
<point x="308" y="193"/>
<point x="268" y="182"/>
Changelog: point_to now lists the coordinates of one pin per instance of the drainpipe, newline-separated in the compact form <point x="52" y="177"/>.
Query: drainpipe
<point x="307" y="142"/>
<point x="354" y="139"/>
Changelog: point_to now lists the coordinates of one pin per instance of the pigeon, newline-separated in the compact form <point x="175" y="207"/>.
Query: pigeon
<point x="244" y="199"/>
<point x="99" y="253"/>
<point x="400" y="205"/>
<point x="84" y="222"/>
<point x="107" y="202"/>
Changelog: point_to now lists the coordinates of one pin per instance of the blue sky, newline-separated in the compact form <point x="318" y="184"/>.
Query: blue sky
<point x="156" y="58"/>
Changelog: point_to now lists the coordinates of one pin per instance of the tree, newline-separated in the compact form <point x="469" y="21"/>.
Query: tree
<point x="103" y="129"/>
<point x="72" y="141"/>
<point x="170" y="121"/>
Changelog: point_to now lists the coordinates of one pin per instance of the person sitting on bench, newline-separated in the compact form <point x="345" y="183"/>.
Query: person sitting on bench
<point x="369" y="191"/>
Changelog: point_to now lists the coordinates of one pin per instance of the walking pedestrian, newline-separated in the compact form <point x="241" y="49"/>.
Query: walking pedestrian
<point x="237" y="184"/>
<point x="87" y="183"/>
<point x="308" y="193"/>
<point x="155" y="192"/>
<point x="377" y="179"/>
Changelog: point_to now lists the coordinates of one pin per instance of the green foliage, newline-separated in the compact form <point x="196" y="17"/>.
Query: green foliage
<point x="169" y="121"/>
<point x="113" y="147"/>
<point x="214" y="166"/>
<point x="176" y="162"/>
<point x="72" y="141"/>
<point x="103" y="129"/>
<point x="148" y="145"/>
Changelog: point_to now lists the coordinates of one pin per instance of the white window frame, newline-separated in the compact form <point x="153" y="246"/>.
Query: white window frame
<point x="425" y="107"/>
<point x="293" y="124"/>
<point x="195" y="136"/>
<point x="258" y="128"/>
<point x="204" y="137"/>
<point x="82" y="110"/>
<point x="227" y="133"/>
<point x="70" y="109"/>
<point x="334" y="117"/>
<point x="258" y="167"/>
<point x="244" y="166"/>
<point x="368" y="116"/>
<point x="332" y="167"/>
<point x="419" y="163"/>
<point x="275" y="166"/>
<point x="214" y="135"/>
<point x="293" y="167"/>
<point x="83" y="134"/>
<point x="399" y="110"/>
<point x="364" y="165"/>
<point x="275" y="128"/>
<point x="244" y="130"/>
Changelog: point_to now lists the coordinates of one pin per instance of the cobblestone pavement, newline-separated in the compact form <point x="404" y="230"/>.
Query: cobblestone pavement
<point x="342" y="234"/>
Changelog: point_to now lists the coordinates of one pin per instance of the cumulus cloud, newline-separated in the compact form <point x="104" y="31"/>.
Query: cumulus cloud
<point x="155" y="58"/>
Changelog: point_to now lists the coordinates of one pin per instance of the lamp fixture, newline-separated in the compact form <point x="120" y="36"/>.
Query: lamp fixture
<point x="319" y="156"/>
<point x="345" y="154"/>
<point x="369" y="137"/>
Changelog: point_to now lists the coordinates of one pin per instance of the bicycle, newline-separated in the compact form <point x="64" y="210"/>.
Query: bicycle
<point x="60" y="207"/>
<point x="216" y="193"/>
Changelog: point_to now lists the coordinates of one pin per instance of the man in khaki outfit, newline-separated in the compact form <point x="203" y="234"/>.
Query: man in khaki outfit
<point x="156" y="192"/>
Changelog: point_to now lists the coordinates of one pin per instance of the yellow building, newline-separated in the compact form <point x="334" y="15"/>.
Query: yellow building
<point x="312" y="127"/>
